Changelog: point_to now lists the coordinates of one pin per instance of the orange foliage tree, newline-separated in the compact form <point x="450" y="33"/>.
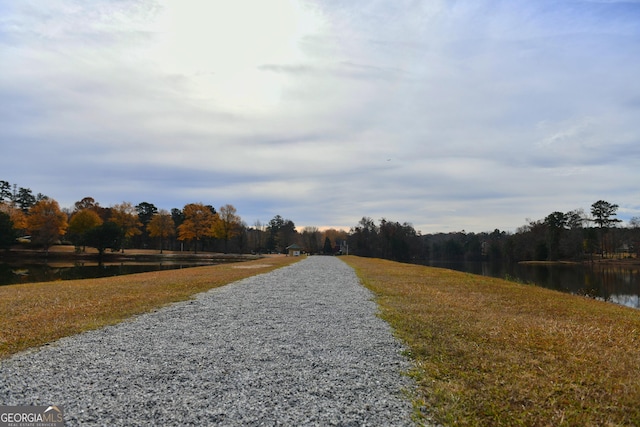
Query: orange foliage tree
<point x="162" y="226"/>
<point x="46" y="223"/>
<point x="227" y="225"/>
<point x="198" y="221"/>
<point x="81" y="222"/>
<point x="125" y="216"/>
<point x="18" y="218"/>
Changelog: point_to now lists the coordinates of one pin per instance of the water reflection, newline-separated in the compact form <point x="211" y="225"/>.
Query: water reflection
<point x="619" y="284"/>
<point x="38" y="272"/>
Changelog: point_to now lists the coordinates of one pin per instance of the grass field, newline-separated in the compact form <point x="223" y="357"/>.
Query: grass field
<point x="488" y="352"/>
<point x="33" y="314"/>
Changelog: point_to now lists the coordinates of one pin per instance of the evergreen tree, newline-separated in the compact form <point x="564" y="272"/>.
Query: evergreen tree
<point x="7" y="232"/>
<point x="327" y="249"/>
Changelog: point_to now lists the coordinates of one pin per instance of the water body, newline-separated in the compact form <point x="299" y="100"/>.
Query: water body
<point x="43" y="272"/>
<point x="619" y="284"/>
<point x="612" y="283"/>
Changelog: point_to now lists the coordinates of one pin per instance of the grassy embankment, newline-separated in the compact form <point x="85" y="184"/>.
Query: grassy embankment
<point x="33" y="314"/>
<point x="488" y="352"/>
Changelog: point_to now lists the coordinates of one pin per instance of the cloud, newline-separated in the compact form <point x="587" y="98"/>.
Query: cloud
<point x="448" y="115"/>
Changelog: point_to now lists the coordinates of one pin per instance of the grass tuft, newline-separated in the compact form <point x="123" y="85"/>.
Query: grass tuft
<point x="488" y="352"/>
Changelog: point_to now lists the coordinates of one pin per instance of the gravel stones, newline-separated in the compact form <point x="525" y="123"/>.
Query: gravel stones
<point x="300" y="345"/>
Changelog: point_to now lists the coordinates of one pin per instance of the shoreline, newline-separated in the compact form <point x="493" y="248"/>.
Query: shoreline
<point x="67" y="253"/>
<point x="30" y="317"/>
<point x="599" y="261"/>
<point x="492" y="352"/>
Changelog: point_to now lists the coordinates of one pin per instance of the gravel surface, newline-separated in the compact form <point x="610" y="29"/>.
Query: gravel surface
<point x="298" y="346"/>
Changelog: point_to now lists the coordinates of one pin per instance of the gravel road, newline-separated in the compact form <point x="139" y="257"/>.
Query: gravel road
<point x="298" y="346"/>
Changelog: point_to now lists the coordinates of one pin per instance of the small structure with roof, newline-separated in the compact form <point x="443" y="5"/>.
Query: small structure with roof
<point x="294" y="250"/>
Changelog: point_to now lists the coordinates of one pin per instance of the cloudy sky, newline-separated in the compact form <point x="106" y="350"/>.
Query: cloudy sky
<point x="448" y="114"/>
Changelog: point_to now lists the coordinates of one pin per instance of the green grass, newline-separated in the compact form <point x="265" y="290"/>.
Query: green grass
<point x="488" y="352"/>
<point x="36" y="313"/>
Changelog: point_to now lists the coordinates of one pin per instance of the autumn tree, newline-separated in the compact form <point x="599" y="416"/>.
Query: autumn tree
<point x="18" y="218"/>
<point x="81" y="222"/>
<point x="125" y="216"/>
<point x="46" y="223"/>
<point x="197" y="224"/>
<point x="227" y="225"/>
<point x="161" y="226"/>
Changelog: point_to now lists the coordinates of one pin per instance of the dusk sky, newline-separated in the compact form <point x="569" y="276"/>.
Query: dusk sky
<point x="451" y="115"/>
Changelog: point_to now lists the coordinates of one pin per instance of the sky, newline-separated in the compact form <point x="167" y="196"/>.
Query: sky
<point x="450" y="115"/>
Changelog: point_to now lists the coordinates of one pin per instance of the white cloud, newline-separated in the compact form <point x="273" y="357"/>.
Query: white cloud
<point x="464" y="115"/>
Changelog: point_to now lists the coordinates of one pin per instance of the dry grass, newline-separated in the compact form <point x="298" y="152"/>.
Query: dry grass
<point x="488" y="352"/>
<point x="36" y="313"/>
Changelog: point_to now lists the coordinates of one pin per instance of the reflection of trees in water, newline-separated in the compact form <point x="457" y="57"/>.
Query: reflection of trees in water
<point x="7" y="274"/>
<point x="28" y="273"/>
<point x="608" y="283"/>
<point x="46" y="273"/>
<point x="613" y="283"/>
<point x="620" y="284"/>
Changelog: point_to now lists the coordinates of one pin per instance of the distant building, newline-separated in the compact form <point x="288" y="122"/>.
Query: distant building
<point x="341" y="248"/>
<point x="294" y="250"/>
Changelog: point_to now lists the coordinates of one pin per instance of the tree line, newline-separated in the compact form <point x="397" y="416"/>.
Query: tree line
<point x="40" y="222"/>
<point x="573" y="235"/>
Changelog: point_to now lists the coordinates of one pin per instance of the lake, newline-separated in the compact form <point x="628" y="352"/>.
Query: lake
<point x="619" y="284"/>
<point x="613" y="283"/>
<point x="43" y="272"/>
